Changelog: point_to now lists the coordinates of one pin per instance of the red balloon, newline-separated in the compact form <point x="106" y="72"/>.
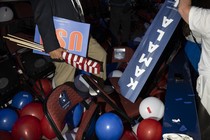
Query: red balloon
<point x="34" y="109"/>
<point x="149" y="129"/>
<point x="128" y="135"/>
<point x="44" y="85"/>
<point x="47" y="130"/>
<point x="27" y="128"/>
<point x="4" y="135"/>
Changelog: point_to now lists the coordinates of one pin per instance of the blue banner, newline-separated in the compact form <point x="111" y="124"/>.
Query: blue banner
<point x="149" y="50"/>
<point x="72" y="36"/>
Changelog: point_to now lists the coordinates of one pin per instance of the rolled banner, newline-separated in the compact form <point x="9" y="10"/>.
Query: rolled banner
<point x="82" y="63"/>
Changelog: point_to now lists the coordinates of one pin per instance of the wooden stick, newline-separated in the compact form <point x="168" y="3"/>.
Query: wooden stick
<point x="22" y="39"/>
<point x="37" y="46"/>
<point x="29" y="47"/>
<point x="23" y="42"/>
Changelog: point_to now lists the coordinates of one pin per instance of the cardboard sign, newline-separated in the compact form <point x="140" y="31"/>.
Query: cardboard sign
<point x="72" y="36"/>
<point x="149" y="50"/>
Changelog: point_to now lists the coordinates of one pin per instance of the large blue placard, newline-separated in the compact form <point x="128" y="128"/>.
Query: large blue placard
<point x="72" y="36"/>
<point x="149" y="50"/>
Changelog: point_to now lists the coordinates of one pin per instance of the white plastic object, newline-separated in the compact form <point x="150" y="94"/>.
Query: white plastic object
<point x="6" y="14"/>
<point x="115" y="73"/>
<point x="151" y="107"/>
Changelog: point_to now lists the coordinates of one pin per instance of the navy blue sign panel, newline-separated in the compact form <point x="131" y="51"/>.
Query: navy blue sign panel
<point x="193" y="52"/>
<point x="180" y="115"/>
<point x="149" y="50"/>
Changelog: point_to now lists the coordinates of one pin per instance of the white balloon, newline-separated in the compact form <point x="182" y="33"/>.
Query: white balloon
<point x="115" y="73"/>
<point x="6" y="14"/>
<point x="151" y="107"/>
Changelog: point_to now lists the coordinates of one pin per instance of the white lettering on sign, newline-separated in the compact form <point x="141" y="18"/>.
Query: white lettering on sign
<point x="176" y="3"/>
<point x="139" y="71"/>
<point x="147" y="59"/>
<point x="152" y="47"/>
<point x="166" y="22"/>
<point x="132" y="83"/>
<point x="161" y="33"/>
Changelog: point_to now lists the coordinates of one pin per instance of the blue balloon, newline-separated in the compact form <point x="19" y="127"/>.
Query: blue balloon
<point x="74" y="116"/>
<point x="8" y="117"/>
<point x="109" y="126"/>
<point x="21" y="99"/>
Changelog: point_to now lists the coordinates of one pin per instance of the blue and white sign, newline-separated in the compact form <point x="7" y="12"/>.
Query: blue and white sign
<point x="149" y="50"/>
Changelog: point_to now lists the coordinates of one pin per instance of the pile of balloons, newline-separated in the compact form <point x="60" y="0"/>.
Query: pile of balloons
<point x="25" y="119"/>
<point x="21" y="119"/>
<point x="151" y="109"/>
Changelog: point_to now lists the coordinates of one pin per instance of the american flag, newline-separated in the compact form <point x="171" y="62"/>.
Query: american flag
<point x="82" y="63"/>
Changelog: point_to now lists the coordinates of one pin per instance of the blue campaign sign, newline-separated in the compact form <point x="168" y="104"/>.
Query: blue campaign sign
<point x="149" y="50"/>
<point x="72" y="36"/>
